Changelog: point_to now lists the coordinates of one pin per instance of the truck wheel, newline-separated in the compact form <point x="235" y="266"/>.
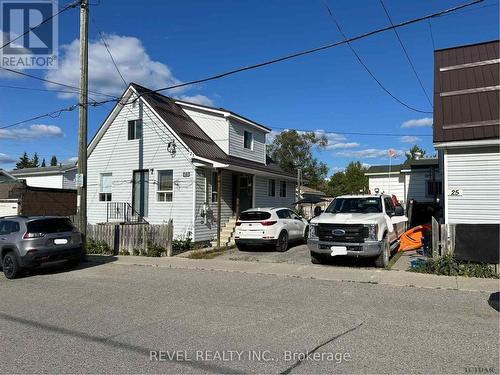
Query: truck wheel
<point x="241" y="247"/>
<point x="306" y="234"/>
<point x="382" y="260"/>
<point x="282" y="243"/>
<point x="315" y="258"/>
<point x="10" y="265"/>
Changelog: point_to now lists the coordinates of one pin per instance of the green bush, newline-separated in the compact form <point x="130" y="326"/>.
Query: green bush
<point x="124" y="252"/>
<point x="136" y="252"/>
<point x="182" y="243"/>
<point x="98" y="247"/>
<point x="449" y="266"/>
<point x="155" y="251"/>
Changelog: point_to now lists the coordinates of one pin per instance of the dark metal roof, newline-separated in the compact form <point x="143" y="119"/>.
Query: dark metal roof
<point x="194" y="137"/>
<point x="466" y="115"/>
<point x="411" y="164"/>
<point x="395" y="168"/>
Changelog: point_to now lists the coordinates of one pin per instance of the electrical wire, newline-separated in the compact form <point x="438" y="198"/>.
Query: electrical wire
<point x="406" y="53"/>
<point x="363" y="64"/>
<point x="52" y="114"/>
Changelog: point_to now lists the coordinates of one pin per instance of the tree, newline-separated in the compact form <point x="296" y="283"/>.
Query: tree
<point x="351" y="180"/>
<point x="43" y="163"/>
<point x="53" y="161"/>
<point x="411" y="154"/>
<point x="35" y="161"/>
<point x="293" y="150"/>
<point x="24" y="161"/>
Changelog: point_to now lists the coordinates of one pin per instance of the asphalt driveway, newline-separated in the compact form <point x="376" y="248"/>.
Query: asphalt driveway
<point x="296" y="254"/>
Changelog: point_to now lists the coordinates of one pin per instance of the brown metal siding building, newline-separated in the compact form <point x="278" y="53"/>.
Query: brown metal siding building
<point x="466" y="92"/>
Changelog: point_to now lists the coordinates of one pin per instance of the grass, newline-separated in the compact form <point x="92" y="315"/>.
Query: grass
<point x="206" y="254"/>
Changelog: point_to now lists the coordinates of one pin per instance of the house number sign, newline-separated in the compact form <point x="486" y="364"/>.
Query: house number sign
<point x="186" y="174"/>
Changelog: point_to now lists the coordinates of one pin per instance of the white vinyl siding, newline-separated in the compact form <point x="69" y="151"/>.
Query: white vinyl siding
<point x="50" y="181"/>
<point x="69" y="179"/>
<point x="393" y="185"/>
<point x="115" y="154"/>
<point x="215" y="126"/>
<point x="476" y="172"/>
<point x="262" y="198"/>
<point x="416" y="185"/>
<point x="236" y="142"/>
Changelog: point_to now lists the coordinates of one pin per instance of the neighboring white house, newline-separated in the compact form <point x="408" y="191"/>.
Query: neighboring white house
<point x="420" y="180"/>
<point x="57" y="177"/>
<point x="157" y="158"/>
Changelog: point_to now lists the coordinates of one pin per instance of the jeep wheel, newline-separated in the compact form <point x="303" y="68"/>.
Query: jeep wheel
<point x="10" y="265"/>
<point x="282" y="243"/>
<point x="382" y="260"/>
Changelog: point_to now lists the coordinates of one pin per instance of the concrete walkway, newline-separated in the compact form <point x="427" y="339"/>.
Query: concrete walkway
<point x="321" y="272"/>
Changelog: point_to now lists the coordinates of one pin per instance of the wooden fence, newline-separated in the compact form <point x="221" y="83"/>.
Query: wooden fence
<point x="130" y="237"/>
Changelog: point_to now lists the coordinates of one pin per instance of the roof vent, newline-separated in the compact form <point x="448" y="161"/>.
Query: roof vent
<point x="417" y="155"/>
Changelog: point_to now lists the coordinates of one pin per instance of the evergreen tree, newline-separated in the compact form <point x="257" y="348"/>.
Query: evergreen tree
<point x="24" y="161"/>
<point x="35" y="161"/>
<point x="43" y="163"/>
<point x="53" y="161"/>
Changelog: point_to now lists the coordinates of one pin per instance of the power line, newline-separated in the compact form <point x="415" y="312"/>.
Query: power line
<point x="42" y="89"/>
<point x="406" y="53"/>
<point x="52" y="114"/>
<point x="69" y="6"/>
<point x="316" y="49"/>
<point x="432" y="35"/>
<point x="363" y="64"/>
<point x="356" y="133"/>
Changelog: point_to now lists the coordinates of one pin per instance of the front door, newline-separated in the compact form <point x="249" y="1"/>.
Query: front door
<point x="140" y="192"/>
<point x="243" y="193"/>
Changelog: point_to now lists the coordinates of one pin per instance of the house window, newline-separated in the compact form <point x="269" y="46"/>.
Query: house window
<point x="135" y="129"/>
<point x="248" y="140"/>
<point x="215" y="186"/>
<point x="165" y="189"/>
<point x="105" y="187"/>
<point x="282" y="189"/>
<point x="433" y="188"/>
<point x="271" y="188"/>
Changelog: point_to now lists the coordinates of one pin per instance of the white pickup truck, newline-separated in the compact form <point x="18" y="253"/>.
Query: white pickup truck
<point x="357" y="226"/>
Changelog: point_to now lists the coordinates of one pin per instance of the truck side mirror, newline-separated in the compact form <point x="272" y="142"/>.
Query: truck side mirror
<point x="398" y="211"/>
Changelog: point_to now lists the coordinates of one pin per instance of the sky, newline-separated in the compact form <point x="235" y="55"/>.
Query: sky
<point x="160" y="43"/>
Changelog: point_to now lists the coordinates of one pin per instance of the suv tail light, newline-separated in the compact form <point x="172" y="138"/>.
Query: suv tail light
<point x="268" y="222"/>
<point x="33" y="235"/>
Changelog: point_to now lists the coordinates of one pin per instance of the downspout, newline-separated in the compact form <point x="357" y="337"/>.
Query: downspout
<point x="219" y="193"/>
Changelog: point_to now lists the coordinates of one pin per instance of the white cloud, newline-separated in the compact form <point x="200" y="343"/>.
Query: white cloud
<point x="331" y="137"/>
<point x="271" y="135"/>
<point x="5" y="159"/>
<point x="4" y="73"/>
<point x="336" y="146"/>
<point x="370" y="153"/>
<point x="366" y="165"/>
<point x="33" y="131"/>
<point x="198" y="99"/>
<point x="73" y="159"/>
<point x="417" y="123"/>
<point x="409" y="139"/>
<point x="131" y="58"/>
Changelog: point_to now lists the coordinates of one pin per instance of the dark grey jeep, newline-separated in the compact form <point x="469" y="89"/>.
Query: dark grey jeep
<point x="28" y="242"/>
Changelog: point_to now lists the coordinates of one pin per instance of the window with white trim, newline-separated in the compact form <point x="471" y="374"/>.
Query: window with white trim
<point x="165" y="188"/>
<point x="283" y="189"/>
<point x="105" y="187"/>
<point x="135" y="129"/>
<point x="271" y="188"/>
<point x="248" y="140"/>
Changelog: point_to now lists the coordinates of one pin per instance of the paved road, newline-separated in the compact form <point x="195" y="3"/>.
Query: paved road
<point x="107" y="318"/>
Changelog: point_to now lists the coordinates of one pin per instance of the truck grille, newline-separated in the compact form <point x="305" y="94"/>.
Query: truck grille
<point x="345" y="232"/>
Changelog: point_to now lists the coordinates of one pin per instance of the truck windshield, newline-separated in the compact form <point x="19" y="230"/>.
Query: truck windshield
<point x="355" y="205"/>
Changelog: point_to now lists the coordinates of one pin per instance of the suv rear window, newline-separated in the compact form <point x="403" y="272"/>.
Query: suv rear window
<point x="254" y="216"/>
<point x="54" y="225"/>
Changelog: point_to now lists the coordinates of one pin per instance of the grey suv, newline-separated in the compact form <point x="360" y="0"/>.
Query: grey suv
<point x="27" y="242"/>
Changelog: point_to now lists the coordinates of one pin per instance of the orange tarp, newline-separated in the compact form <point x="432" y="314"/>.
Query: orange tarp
<point x="412" y="238"/>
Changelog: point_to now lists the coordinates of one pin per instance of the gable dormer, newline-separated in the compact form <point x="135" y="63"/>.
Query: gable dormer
<point x="234" y="134"/>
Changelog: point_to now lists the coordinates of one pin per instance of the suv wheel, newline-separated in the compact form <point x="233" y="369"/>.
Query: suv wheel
<point x="382" y="260"/>
<point x="10" y="265"/>
<point x="282" y="244"/>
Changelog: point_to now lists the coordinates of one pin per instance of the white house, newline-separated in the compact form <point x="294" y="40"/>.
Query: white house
<point x="57" y="177"/>
<point x="420" y="180"/>
<point x="157" y="158"/>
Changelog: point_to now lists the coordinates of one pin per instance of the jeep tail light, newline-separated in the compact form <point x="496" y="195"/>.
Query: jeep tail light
<point x="29" y="235"/>
<point x="268" y="222"/>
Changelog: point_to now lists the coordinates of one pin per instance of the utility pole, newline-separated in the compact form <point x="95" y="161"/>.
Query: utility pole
<point x="82" y="117"/>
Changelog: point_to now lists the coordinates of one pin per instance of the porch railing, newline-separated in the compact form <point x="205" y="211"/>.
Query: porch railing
<point x="123" y="212"/>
